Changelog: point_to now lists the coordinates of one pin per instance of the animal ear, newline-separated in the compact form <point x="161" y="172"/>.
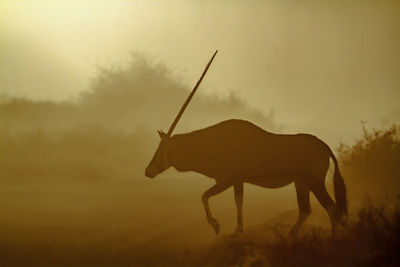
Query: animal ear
<point x="161" y="134"/>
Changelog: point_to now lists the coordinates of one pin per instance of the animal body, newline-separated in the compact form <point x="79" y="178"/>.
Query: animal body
<point x="235" y="152"/>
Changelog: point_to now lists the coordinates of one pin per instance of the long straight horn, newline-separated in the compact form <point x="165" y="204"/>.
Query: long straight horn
<point x="171" y="129"/>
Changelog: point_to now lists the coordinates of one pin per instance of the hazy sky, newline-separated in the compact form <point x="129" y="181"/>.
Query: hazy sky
<point x="322" y="66"/>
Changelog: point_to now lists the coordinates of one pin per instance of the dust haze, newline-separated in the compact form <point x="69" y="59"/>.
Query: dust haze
<point x="85" y="86"/>
<point x="67" y="164"/>
<point x="317" y="63"/>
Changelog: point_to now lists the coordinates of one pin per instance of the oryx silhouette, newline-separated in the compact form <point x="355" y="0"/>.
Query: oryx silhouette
<point x="235" y="152"/>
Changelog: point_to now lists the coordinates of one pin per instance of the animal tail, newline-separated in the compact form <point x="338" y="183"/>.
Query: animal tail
<point x="340" y="190"/>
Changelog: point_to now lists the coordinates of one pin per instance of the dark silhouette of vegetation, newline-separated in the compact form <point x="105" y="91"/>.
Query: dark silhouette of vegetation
<point x="372" y="165"/>
<point x="372" y="239"/>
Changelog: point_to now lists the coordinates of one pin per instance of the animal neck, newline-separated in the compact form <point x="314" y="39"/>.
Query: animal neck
<point x="179" y="149"/>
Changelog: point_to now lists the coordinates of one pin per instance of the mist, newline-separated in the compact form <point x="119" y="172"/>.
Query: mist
<point x="67" y="163"/>
<point x="299" y="59"/>
<point x="84" y="87"/>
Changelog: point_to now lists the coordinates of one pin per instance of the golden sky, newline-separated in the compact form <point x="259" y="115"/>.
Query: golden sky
<point x="322" y="66"/>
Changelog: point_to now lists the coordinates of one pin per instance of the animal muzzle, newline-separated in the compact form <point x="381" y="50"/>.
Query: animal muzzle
<point x="150" y="172"/>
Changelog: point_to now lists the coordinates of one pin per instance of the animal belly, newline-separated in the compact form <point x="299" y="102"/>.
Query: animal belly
<point x="271" y="182"/>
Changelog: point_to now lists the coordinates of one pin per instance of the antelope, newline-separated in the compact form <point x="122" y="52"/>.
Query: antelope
<point x="234" y="152"/>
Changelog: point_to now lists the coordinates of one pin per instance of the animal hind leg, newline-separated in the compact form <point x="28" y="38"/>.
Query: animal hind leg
<point x="303" y="201"/>
<point x="326" y="201"/>
<point x="238" y="189"/>
<point x="216" y="189"/>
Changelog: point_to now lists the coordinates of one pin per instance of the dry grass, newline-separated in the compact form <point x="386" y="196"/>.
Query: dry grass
<point x="373" y="239"/>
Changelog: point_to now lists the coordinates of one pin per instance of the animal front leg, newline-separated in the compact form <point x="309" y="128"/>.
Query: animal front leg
<point x="216" y="189"/>
<point x="238" y="188"/>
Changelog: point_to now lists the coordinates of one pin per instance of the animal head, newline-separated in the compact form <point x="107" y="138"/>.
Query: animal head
<point x="161" y="160"/>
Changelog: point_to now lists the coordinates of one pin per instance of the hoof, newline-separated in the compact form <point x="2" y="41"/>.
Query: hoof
<point x="215" y="225"/>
